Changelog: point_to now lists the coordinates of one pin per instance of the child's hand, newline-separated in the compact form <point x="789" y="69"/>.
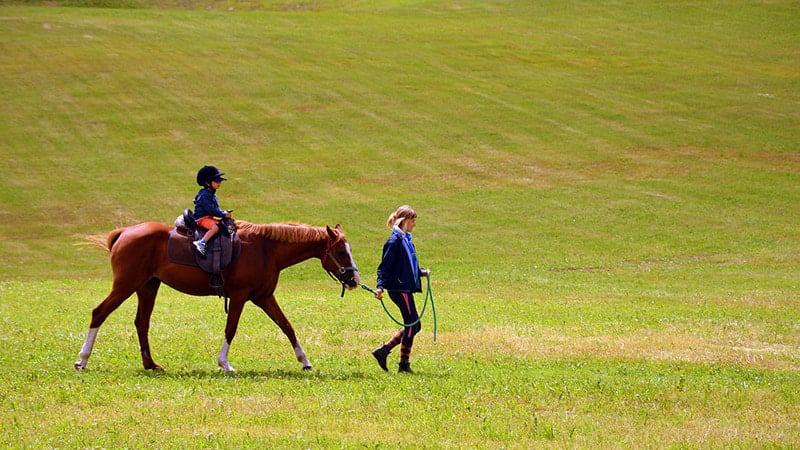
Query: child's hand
<point x="379" y="294"/>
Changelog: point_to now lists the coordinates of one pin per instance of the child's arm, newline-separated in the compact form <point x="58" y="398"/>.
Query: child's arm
<point x="208" y="204"/>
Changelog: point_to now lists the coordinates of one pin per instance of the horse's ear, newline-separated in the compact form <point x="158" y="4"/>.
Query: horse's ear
<point x="331" y="233"/>
<point x="338" y="227"/>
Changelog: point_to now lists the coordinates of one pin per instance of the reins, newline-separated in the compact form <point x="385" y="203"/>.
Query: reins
<point x="428" y="295"/>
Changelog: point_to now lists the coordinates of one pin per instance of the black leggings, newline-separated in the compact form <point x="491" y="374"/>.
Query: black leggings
<point x="405" y="301"/>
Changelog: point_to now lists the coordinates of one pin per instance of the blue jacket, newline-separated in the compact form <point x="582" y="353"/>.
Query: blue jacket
<point x="399" y="269"/>
<point x="206" y="204"/>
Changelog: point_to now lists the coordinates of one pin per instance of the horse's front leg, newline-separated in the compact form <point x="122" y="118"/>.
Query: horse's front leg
<point x="234" y="314"/>
<point x="270" y="306"/>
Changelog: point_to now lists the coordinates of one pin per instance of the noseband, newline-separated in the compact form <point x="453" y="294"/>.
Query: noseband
<point x="340" y="269"/>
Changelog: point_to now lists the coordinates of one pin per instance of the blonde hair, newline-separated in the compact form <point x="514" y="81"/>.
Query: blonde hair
<point x="402" y="213"/>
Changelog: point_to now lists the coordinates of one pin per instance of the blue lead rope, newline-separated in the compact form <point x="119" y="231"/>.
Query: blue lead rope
<point x="428" y="295"/>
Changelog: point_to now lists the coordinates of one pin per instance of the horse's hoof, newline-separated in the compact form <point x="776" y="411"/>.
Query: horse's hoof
<point x="226" y="367"/>
<point x="308" y="368"/>
<point x="79" y="365"/>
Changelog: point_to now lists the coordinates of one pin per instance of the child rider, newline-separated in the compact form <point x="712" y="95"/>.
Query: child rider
<point x="207" y="212"/>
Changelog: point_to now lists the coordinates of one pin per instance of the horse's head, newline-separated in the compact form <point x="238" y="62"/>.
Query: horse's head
<point x="338" y="260"/>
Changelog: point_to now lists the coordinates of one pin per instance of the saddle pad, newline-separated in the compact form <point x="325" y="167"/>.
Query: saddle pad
<point x="221" y="252"/>
<point x="180" y="249"/>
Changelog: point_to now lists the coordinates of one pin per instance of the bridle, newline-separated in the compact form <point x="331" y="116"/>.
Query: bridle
<point x="341" y="269"/>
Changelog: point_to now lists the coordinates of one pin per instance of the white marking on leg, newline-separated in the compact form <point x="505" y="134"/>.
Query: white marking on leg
<point x="86" y="350"/>
<point x="222" y="359"/>
<point x="301" y="357"/>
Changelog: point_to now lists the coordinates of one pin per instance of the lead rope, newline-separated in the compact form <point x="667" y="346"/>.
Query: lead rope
<point x="428" y="295"/>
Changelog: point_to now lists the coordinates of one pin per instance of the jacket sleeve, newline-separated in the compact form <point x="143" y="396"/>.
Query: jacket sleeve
<point x="386" y="269"/>
<point x="217" y="210"/>
<point x="206" y="204"/>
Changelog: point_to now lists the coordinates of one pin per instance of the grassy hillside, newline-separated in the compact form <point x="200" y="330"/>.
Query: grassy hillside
<point x="607" y="196"/>
<point x="683" y="115"/>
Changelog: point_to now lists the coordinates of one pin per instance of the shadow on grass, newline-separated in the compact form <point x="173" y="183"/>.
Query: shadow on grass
<point x="275" y="374"/>
<point x="279" y="374"/>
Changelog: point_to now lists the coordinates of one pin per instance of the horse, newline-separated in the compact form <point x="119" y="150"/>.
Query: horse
<point x="140" y="264"/>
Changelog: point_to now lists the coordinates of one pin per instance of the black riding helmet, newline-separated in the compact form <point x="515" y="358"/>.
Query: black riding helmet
<point x="208" y="174"/>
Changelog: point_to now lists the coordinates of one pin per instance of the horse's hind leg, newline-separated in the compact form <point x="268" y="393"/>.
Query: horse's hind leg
<point x="99" y="315"/>
<point x="147" y="300"/>
<point x="273" y="310"/>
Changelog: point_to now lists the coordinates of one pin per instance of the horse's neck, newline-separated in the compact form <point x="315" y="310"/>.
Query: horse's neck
<point x="286" y="244"/>
<point x="290" y="253"/>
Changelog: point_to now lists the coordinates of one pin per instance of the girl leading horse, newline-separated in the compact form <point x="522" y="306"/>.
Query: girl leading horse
<point x="139" y="263"/>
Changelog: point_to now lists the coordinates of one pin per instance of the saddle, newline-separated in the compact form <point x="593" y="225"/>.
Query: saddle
<point x="221" y="251"/>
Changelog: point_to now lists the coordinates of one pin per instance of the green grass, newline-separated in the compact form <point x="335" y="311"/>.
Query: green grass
<point x="607" y="197"/>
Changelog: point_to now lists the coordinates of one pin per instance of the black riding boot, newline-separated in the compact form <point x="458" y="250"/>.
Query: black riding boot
<point x="380" y="354"/>
<point x="405" y="368"/>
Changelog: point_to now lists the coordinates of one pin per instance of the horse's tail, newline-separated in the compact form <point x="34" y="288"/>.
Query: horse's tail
<point x="105" y="242"/>
<point x="112" y="238"/>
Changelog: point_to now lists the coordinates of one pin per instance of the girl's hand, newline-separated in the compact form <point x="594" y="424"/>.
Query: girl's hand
<point x="379" y="294"/>
<point x="426" y="272"/>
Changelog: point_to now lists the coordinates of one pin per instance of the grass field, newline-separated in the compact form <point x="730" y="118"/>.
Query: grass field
<point x="607" y="195"/>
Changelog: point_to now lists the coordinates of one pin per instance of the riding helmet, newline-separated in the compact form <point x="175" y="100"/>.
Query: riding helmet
<point x="208" y="174"/>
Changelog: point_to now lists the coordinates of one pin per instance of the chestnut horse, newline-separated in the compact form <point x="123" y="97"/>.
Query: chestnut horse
<point x="139" y="263"/>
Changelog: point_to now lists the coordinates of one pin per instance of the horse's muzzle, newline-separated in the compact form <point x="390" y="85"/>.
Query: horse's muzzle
<point x="353" y="281"/>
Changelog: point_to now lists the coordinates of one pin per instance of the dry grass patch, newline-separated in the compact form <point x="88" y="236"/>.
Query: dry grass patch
<point x="667" y="344"/>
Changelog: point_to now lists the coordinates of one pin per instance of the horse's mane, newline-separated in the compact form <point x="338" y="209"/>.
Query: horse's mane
<point x="283" y="232"/>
